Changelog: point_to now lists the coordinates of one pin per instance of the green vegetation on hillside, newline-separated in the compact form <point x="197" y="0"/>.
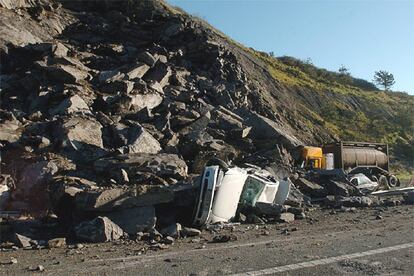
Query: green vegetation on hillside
<point x="352" y="108"/>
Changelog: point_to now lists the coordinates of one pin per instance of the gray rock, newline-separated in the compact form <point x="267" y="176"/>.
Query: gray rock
<point x="310" y="188"/>
<point x="149" y="101"/>
<point x="136" y="139"/>
<point x="295" y="197"/>
<point x="100" y="229"/>
<point x="21" y="241"/>
<point x="162" y="164"/>
<point x="264" y="128"/>
<point x="36" y="174"/>
<point x="134" y="220"/>
<point x="355" y="201"/>
<point x="66" y="73"/>
<point x="409" y="198"/>
<point x="336" y="188"/>
<point x="286" y="217"/>
<point x="71" y="105"/>
<point x="10" y="130"/>
<point x="268" y="209"/>
<point x="172" y="230"/>
<point x="110" y="76"/>
<point x="147" y="58"/>
<point x="83" y="135"/>
<point x="198" y="126"/>
<point x="190" y="232"/>
<point x="57" y="243"/>
<point x="161" y="73"/>
<point x="117" y="86"/>
<point x="120" y="199"/>
<point x="138" y="71"/>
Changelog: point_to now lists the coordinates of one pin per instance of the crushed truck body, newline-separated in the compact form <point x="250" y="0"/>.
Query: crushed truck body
<point x="222" y="189"/>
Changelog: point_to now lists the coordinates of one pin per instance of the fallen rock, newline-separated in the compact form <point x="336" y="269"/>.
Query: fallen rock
<point x="161" y="73"/>
<point x="172" y="230"/>
<point x="138" y="71"/>
<point x="337" y="188"/>
<point x="356" y="201"/>
<point x="268" y="209"/>
<point x="21" y="241"/>
<point x="100" y="229"/>
<point x="295" y="197"/>
<point x="136" y="139"/>
<point x="149" y="100"/>
<point x="310" y="188"/>
<point x="10" y="130"/>
<point x="162" y="164"/>
<point x="119" y="199"/>
<point x="409" y="198"/>
<point x="82" y="136"/>
<point x="74" y="104"/>
<point x="134" y="220"/>
<point x="190" y="232"/>
<point x="66" y="73"/>
<point x="147" y="58"/>
<point x="57" y="243"/>
<point x="286" y="217"/>
<point x="224" y="238"/>
<point x="264" y="128"/>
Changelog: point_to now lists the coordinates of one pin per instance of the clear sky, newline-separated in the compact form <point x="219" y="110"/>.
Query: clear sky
<point x="364" y="36"/>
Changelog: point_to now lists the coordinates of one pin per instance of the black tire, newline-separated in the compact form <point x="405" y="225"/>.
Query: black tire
<point x="218" y="162"/>
<point x="383" y="182"/>
<point x="393" y="181"/>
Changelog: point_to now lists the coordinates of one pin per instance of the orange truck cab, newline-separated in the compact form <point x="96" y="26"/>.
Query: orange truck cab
<point x="312" y="157"/>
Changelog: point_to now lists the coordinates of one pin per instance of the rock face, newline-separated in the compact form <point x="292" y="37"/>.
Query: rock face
<point x="100" y="229"/>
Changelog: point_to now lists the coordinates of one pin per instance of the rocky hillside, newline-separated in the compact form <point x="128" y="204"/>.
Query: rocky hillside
<point x="123" y="93"/>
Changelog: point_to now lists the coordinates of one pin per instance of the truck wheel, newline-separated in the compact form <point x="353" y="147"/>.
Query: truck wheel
<point x="218" y="162"/>
<point x="393" y="181"/>
<point x="383" y="182"/>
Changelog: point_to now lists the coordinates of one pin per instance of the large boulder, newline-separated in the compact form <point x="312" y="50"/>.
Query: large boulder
<point x="136" y="139"/>
<point x="134" y="220"/>
<point x="161" y="73"/>
<point x="265" y="129"/>
<point x="310" y="188"/>
<point x="119" y="199"/>
<point x="73" y="104"/>
<point x="66" y="73"/>
<point x="162" y="164"/>
<point x="10" y="129"/>
<point x="138" y="71"/>
<point x="100" y="229"/>
<point x="81" y="136"/>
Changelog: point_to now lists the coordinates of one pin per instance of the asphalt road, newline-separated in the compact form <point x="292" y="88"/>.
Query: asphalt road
<point x="349" y="243"/>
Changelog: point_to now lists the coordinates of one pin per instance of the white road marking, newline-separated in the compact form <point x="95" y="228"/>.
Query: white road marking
<point x="325" y="261"/>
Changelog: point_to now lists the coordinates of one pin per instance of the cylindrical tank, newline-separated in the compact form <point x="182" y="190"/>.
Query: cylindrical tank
<point x="329" y="161"/>
<point x="353" y="157"/>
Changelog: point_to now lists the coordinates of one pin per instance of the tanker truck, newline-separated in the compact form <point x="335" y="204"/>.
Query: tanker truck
<point x="350" y="158"/>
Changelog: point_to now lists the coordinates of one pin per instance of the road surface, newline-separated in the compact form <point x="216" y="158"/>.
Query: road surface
<point x="365" y="242"/>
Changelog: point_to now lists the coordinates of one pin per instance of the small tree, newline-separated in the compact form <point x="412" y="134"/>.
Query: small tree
<point x="384" y="79"/>
<point x="344" y="71"/>
<point x="272" y="54"/>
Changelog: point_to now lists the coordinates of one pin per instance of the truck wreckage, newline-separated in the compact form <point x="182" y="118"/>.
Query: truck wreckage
<point x="222" y="189"/>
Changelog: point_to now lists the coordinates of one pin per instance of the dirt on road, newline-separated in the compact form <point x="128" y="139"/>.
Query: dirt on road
<point x="384" y="237"/>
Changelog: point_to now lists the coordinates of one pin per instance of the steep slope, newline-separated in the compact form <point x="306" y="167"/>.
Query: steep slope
<point x="103" y="93"/>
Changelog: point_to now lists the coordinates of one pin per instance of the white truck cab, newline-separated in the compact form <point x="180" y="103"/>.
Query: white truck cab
<point x="221" y="191"/>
